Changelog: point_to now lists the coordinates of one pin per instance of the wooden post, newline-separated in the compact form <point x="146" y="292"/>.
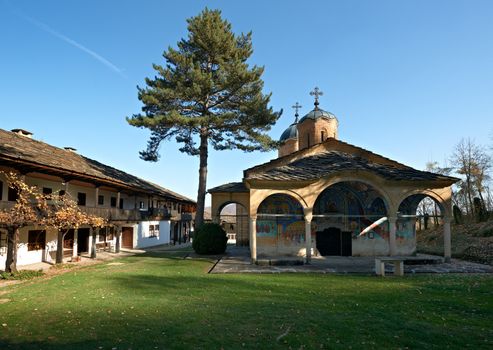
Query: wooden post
<point x="253" y="238"/>
<point x="96" y="199"/>
<point x="392" y="233"/>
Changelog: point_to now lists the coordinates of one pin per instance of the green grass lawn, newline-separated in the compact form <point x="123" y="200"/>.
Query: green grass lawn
<point x="165" y="302"/>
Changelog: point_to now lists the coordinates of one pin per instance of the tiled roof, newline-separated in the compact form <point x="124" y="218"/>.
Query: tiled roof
<point x="33" y="155"/>
<point x="330" y="162"/>
<point x="230" y="187"/>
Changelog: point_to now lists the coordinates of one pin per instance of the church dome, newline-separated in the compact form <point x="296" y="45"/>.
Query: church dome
<point x="290" y="133"/>
<point x="318" y="113"/>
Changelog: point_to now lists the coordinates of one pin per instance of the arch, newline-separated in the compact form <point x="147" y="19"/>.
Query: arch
<point x="291" y="193"/>
<point x="344" y="209"/>
<point x="280" y="225"/>
<point x="380" y="194"/>
<point x="280" y="204"/>
<point x="372" y="181"/>
<point x="426" y="193"/>
<point x="235" y="223"/>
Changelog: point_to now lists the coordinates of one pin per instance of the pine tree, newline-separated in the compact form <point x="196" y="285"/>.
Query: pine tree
<point x="207" y="94"/>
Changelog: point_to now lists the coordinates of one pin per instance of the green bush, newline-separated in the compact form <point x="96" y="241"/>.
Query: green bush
<point x="210" y="239"/>
<point x="21" y="275"/>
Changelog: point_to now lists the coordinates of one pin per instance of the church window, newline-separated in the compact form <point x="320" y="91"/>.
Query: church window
<point x="81" y="198"/>
<point x="322" y="136"/>
<point x="308" y="139"/>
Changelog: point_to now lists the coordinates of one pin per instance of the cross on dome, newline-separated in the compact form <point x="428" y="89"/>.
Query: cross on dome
<point x="296" y="107"/>
<point x="316" y="92"/>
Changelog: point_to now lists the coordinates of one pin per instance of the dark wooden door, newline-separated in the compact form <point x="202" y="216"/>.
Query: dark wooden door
<point x="329" y="241"/>
<point x="346" y="244"/>
<point x="83" y="240"/>
<point x="127" y="237"/>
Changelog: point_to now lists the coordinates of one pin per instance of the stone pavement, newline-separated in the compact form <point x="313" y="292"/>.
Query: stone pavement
<point x="237" y="260"/>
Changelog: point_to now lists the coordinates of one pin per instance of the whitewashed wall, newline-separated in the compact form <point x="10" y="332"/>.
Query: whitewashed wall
<point x="143" y="239"/>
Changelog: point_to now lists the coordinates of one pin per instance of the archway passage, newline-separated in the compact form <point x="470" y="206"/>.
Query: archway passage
<point x="280" y="226"/>
<point x="341" y="212"/>
<point x="416" y="213"/>
<point x="233" y="217"/>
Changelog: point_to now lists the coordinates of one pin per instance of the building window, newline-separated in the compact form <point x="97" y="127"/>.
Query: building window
<point x="3" y="240"/>
<point x="308" y="139"/>
<point x="12" y="195"/>
<point x="141" y="205"/>
<point x="100" y="200"/>
<point x="113" y="202"/>
<point x="47" y="190"/>
<point x="36" y="240"/>
<point x="81" y="198"/>
<point x="322" y="136"/>
<point x="121" y="203"/>
<point x="1" y="190"/>
<point x="153" y="231"/>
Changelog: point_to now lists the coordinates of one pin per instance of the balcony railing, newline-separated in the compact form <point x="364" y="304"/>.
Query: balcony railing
<point x="115" y="214"/>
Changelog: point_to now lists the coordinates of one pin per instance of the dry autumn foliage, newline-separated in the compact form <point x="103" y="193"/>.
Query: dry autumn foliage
<point x="32" y="207"/>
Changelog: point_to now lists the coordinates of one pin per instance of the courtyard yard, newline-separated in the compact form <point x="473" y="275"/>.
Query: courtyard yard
<point x="163" y="301"/>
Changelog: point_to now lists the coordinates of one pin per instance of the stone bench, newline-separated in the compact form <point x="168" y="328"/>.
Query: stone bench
<point x="398" y="265"/>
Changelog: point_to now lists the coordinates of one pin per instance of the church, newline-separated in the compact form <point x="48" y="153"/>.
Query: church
<point x="324" y="197"/>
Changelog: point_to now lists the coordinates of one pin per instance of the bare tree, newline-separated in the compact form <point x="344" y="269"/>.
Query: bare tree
<point x="473" y="163"/>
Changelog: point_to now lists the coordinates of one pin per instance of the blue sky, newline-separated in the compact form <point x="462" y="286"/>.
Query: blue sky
<point x="407" y="79"/>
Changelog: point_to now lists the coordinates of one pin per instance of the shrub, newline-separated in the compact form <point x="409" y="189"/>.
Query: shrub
<point x="210" y="239"/>
<point x="21" y="275"/>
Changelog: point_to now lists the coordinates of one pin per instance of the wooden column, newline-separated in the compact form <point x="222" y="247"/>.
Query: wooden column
<point x="118" y="196"/>
<point x="253" y="238"/>
<point x="75" y="246"/>
<point x="447" y="239"/>
<point x="96" y="196"/>
<point x="392" y="233"/>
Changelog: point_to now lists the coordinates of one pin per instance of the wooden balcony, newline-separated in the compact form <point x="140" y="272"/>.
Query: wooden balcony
<point x="115" y="214"/>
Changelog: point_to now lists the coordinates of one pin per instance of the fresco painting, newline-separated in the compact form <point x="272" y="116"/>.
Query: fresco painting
<point x="405" y="229"/>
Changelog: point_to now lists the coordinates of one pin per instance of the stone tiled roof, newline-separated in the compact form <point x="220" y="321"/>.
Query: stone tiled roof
<point x="32" y="155"/>
<point x="331" y="162"/>
<point x="230" y="187"/>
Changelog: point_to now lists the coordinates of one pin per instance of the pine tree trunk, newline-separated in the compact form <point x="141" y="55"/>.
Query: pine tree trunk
<point x="204" y="140"/>
<point x="59" y="247"/>
<point x="12" y="242"/>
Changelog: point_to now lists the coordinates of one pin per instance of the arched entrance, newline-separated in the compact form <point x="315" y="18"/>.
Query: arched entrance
<point x="416" y="212"/>
<point x="233" y="217"/>
<point x="342" y="212"/>
<point x="280" y="226"/>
